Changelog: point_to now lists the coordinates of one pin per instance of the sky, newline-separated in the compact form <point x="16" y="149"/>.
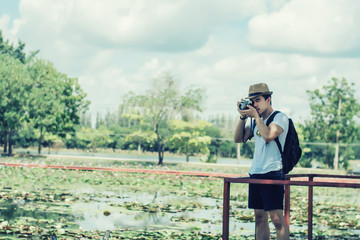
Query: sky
<point x="223" y="47"/>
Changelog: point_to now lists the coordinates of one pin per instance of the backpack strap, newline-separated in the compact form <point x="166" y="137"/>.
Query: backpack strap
<point x="270" y="119"/>
<point x="252" y="127"/>
<point x="278" y="144"/>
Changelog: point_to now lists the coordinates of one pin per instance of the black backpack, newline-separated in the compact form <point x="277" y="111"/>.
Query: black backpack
<point x="292" y="151"/>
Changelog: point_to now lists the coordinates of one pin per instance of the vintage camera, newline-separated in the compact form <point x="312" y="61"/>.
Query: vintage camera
<point x="243" y="104"/>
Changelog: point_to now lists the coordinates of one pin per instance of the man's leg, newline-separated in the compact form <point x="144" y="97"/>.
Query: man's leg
<point x="262" y="231"/>
<point x="277" y="217"/>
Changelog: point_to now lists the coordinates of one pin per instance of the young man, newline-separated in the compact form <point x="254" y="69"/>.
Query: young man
<point x="266" y="200"/>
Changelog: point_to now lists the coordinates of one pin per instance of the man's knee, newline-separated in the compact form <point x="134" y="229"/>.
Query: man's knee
<point x="277" y="218"/>
<point x="261" y="216"/>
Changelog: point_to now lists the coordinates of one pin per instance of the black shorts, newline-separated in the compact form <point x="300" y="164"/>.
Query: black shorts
<point x="266" y="196"/>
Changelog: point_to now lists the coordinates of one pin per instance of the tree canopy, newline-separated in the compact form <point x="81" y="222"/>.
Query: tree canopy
<point x="334" y="109"/>
<point x="164" y="102"/>
<point x="34" y="91"/>
<point x="14" y="102"/>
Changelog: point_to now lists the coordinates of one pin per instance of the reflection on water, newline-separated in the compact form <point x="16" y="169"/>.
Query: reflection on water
<point x="91" y="212"/>
<point x="105" y="211"/>
<point x="14" y="210"/>
<point x="90" y="216"/>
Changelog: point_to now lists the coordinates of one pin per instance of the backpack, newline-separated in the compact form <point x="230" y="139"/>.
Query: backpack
<point x="292" y="151"/>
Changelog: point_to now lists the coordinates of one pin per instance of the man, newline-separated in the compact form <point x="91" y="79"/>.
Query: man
<point x="266" y="200"/>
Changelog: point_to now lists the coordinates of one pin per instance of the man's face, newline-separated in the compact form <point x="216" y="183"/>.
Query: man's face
<point x="260" y="104"/>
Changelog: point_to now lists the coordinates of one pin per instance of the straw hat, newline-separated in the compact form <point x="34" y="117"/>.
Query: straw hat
<point x="258" y="89"/>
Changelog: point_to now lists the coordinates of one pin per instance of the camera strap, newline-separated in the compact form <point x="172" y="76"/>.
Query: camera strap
<point x="252" y="126"/>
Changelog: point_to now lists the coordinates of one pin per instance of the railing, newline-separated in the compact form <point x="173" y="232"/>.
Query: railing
<point x="328" y="181"/>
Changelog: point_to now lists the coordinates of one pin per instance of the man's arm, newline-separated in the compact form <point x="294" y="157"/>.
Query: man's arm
<point x="268" y="133"/>
<point x="242" y="133"/>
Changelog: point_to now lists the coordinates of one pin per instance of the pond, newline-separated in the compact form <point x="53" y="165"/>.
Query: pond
<point x="88" y="209"/>
<point x="67" y="201"/>
<point x="92" y="210"/>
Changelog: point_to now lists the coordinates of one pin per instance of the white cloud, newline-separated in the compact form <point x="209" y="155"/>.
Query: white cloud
<point x="4" y="21"/>
<point x="7" y="33"/>
<point x="149" y="25"/>
<point x="117" y="46"/>
<point x="313" y="27"/>
<point x="150" y="65"/>
<point x="207" y="48"/>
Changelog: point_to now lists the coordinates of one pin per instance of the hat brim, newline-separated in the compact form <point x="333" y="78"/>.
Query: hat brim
<point x="254" y="95"/>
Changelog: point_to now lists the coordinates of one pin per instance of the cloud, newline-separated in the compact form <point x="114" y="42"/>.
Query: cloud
<point x="320" y="27"/>
<point x="7" y="33"/>
<point x="117" y="46"/>
<point x="158" y="25"/>
<point x="4" y="21"/>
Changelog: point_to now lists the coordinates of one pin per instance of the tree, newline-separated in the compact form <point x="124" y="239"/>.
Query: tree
<point x="85" y="120"/>
<point x="189" y="137"/>
<point x="15" y="85"/>
<point x="333" y="112"/>
<point x="17" y="52"/>
<point x="56" y="101"/>
<point x="118" y="136"/>
<point x="139" y="136"/>
<point x="162" y="103"/>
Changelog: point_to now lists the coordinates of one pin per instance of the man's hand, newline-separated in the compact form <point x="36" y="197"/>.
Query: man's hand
<point x="250" y="112"/>
<point x="242" y="115"/>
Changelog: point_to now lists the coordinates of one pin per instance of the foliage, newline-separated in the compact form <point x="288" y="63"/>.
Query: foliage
<point x="90" y="139"/>
<point x="147" y="141"/>
<point x="15" y="85"/>
<point x="16" y="52"/>
<point x="334" y="109"/>
<point x="25" y="137"/>
<point x="163" y="103"/>
<point x="189" y="137"/>
<point x="55" y="100"/>
<point x="35" y="91"/>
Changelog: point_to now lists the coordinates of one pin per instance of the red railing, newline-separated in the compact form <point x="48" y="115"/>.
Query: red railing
<point x="304" y="180"/>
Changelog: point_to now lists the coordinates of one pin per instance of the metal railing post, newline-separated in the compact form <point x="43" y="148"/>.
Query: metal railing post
<point x="310" y="208"/>
<point x="287" y="206"/>
<point x="226" y="210"/>
<point x="287" y="182"/>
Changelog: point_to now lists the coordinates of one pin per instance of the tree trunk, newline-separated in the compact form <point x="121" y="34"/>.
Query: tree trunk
<point x="187" y="153"/>
<point x="160" y="153"/>
<point x="40" y="140"/>
<point x="139" y="149"/>
<point x="161" y="150"/>
<point x="336" y="157"/>
<point x="9" y="140"/>
<point x="139" y="145"/>
<point x="5" y="141"/>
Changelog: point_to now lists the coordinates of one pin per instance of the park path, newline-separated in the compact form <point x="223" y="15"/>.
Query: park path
<point x="130" y="170"/>
<point x="156" y="171"/>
